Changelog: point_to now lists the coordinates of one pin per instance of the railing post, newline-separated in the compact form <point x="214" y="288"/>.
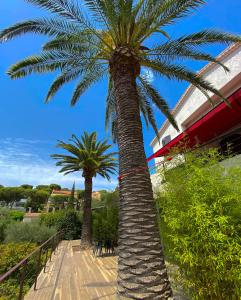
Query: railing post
<point x="57" y="244"/>
<point x="46" y="259"/>
<point x="38" y="254"/>
<point x="21" y="280"/>
<point x="52" y="247"/>
<point x="55" y="238"/>
<point x="37" y="268"/>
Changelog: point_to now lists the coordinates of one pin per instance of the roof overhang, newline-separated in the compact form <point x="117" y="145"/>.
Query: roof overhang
<point x="217" y="121"/>
<point x="208" y="68"/>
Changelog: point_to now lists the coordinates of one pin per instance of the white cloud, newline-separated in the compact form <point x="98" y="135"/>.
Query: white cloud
<point x="28" y="161"/>
<point x="148" y="75"/>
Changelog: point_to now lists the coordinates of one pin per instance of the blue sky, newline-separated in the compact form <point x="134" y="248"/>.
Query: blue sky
<point x="29" y="129"/>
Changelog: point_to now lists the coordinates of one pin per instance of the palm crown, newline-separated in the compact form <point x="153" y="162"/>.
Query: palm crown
<point x="86" y="155"/>
<point x="84" y="50"/>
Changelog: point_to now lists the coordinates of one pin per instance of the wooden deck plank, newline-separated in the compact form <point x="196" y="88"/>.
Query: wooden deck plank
<point x="75" y="275"/>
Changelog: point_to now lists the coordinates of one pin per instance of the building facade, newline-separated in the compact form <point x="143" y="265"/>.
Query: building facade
<point x="202" y="123"/>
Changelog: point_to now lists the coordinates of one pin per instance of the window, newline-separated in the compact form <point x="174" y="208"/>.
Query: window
<point x="166" y="140"/>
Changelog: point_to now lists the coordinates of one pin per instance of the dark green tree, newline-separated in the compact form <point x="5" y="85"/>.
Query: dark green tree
<point x="43" y="187"/>
<point x="37" y="199"/>
<point x="71" y="199"/>
<point x="89" y="156"/>
<point x="10" y="195"/>
<point x="26" y="186"/>
<point x="59" y="201"/>
<point x="54" y="186"/>
<point x="116" y="42"/>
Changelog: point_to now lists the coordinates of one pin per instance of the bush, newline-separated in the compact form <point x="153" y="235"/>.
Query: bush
<point x="16" y="215"/>
<point x="105" y="218"/>
<point x="28" y="232"/>
<point x="11" y="254"/>
<point x="200" y="223"/>
<point x="7" y="216"/>
<point x="68" y="221"/>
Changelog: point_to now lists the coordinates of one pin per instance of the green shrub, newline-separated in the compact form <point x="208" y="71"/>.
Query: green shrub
<point x="28" y="232"/>
<point x="8" y="216"/>
<point x="200" y="224"/>
<point x="68" y="221"/>
<point x="16" y="215"/>
<point x="105" y="218"/>
<point x="11" y="254"/>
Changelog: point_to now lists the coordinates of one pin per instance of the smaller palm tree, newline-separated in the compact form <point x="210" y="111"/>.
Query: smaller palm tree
<point x="88" y="156"/>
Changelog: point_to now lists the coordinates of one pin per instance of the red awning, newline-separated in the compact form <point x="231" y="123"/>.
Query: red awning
<point x="216" y="122"/>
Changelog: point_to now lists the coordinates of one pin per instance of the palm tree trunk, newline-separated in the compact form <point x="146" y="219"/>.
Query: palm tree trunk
<point x="141" y="268"/>
<point x="86" y="235"/>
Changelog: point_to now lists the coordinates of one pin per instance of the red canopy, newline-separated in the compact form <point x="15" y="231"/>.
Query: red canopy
<point x="217" y="121"/>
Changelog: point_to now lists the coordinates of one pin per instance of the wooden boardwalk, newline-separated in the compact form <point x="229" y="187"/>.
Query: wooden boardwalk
<point x="76" y="275"/>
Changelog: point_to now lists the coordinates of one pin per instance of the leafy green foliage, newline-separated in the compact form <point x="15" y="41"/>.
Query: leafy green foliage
<point x="16" y="215"/>
<point x="71" y="199"/>
<point x="105" y="218"/>
<point x="44" y="187"/>
<point x="8" y="216"/>
<point x="11" y="254"/>
<point x="69" y="221"/>
<point x="54" y="186"/>
<point x="26" y="186"/>
<point x="37" y="198"/>
<point x="87" y="155"/>
<point x="200" y="223"/>
<point x="9" y="195"/>
<point x="58" y="200"/>
<point x="33" y="232"/>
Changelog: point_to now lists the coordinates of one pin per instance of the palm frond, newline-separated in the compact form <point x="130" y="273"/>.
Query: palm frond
<point x="62" y="80"/>
<point x="50" y="27"/>
<point x="91" y="76"/>
<point x="181" y="73"/>
<point x="161" y="13"/>
<point x="205" y="37"/>
<point x="146" y="109"/>
<point x="159" y="101"/>
<point x="45" y="62"/>
<point x="173" y="50"/>
<point x="88" y="155"/>
<point x="65" y="8"/>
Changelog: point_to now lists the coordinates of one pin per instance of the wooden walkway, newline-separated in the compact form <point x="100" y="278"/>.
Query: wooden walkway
<point x="76" y="275"/>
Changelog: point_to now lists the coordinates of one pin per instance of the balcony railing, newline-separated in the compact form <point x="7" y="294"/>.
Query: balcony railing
<point x="25" y="273"/>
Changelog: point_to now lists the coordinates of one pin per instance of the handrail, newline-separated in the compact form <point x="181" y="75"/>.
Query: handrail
<point x="2" y="277"/>
<point x="22" y="265"/>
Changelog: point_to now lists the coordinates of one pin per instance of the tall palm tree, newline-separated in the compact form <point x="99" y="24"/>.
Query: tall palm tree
<point x="96" y="38"/>
<point x="88" y="156"/>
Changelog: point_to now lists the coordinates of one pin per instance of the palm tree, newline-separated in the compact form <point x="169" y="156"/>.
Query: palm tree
<point x="88" y="156"/>
<point x="113" y="38"/>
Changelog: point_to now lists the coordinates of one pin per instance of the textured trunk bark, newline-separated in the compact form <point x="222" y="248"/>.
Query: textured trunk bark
<point x="86" y="233"/>
<point x="141" y="268"/>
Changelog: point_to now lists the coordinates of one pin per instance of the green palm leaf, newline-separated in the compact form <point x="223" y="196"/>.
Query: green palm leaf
<point x="86" y="155"/>
<point x="80" y="49"/>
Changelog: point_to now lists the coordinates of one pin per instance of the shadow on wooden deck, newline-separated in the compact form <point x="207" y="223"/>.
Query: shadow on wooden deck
<point x="76" y="275"/>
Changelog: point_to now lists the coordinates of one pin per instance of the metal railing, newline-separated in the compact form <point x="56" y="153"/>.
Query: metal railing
<point x="25" y="273"/>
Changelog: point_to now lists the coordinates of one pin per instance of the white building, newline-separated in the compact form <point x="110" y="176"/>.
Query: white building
<point x="198" y="120"/>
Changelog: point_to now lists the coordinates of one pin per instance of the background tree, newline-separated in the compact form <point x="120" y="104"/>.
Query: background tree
<point x="11" y="195"/>
<point x="37" y="199"/>
<point x="26" y="186"/>
<point x="71" y="199"/>
<point x="54" y="186"/>
<point x="59" y="201"/>
<point x="44" y="187"/>
<point x="118" y="44"/>
<point x="106" y="218"/>
<point x="89" y="156"/>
